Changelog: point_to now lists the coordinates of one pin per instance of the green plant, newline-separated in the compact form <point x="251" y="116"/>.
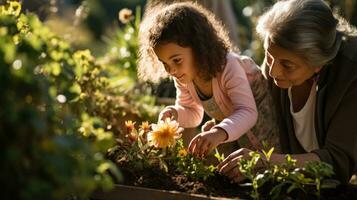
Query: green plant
<point x="44" y="155"/>
<point x="61" y="110"/>
<point x="123" y="43"/>
<point x="191" y="166"/>
<point x="148" y="146"/>
<point x="119" y="64"/>
<point x="280" y="180"/>
<point x="158" y="146"/>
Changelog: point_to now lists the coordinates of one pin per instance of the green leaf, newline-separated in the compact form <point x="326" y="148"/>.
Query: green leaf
<point x="9" y="50"/>
<point x="109" y="166"/>
<point x="275" y="193"/>
<point x="56" y="68"/>
<point x="163" y="165"/>
<point x="268" y="155"/>
<point x="293" y="187"/>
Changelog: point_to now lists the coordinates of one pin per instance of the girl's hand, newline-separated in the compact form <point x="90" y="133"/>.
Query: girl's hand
<point x="168" y="112"/>
<point x="203" y="143"/>
<point x="208" y="125"/>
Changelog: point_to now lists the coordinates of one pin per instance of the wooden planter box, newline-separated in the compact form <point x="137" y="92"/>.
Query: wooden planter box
<point x="123" y="192"/>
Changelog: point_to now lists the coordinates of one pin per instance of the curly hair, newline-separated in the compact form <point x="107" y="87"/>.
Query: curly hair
<point x="188" y="25"/>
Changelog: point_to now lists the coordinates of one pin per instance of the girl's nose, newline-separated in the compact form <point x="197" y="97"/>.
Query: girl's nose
<point x="172" y="71"/>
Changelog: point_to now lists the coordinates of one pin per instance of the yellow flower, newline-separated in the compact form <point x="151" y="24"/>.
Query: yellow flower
<point x="133" y="136"/>
<point x="145" y="126"/>
<point x="144" y="129"/>
<point x="182" y="153"/>
<point x="164" y="134"/>
<point x="129" y="126"/>
<point x="125" y="15"/>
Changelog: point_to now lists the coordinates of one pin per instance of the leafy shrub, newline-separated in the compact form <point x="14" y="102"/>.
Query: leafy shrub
<point x="59" y="111"/>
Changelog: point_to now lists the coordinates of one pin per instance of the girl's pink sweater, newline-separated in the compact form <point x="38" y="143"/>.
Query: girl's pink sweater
<point x="231" y="91"/>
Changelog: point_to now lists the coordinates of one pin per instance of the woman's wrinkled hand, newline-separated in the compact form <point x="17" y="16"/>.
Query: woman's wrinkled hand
<point x="229" y="166"/>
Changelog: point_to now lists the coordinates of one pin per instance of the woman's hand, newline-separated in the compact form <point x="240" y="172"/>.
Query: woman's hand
<point x="203" y="143"/>
<point x="229" y="166"/>
<point x="168" y="112"/>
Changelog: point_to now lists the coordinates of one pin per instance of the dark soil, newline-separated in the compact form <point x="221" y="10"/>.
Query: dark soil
<point x="217" y="185"/>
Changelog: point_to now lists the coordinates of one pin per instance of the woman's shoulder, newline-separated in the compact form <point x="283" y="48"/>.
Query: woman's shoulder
<point x="344" y="66"/>
<point x="349" y="49"/>
<point x="340" y="77"/>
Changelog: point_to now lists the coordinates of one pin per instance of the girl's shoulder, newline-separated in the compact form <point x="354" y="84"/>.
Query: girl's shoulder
<point x="236" y="61"/>
<point x="237" y="67"/>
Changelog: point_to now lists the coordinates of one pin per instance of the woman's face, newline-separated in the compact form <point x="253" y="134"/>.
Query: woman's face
<point x="286" y="67"/>
<point x="177" y="60"/>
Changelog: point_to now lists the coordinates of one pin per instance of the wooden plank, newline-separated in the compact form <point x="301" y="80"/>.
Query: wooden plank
<point x="123" y="192"/>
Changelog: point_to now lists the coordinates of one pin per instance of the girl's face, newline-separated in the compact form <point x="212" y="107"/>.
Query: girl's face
<point x="286" y="67"/>
<point x="177" y="60"/>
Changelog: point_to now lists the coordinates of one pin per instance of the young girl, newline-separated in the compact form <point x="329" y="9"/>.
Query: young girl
<point x="187" y="42"/>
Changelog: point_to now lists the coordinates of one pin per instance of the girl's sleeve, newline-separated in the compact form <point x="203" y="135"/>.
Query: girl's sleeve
<point x="190" y="113"/>
<point x="235" y="82"/>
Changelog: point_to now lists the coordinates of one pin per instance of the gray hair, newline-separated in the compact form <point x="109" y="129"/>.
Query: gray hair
<point x="306" y="27"/>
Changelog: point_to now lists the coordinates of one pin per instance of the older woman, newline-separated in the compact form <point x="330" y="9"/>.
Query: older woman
<point x="311" y="64"/>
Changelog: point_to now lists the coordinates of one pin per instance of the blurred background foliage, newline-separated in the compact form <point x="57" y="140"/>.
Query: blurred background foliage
<point x="92" y="20"/>
<point x="62" y="107"/>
